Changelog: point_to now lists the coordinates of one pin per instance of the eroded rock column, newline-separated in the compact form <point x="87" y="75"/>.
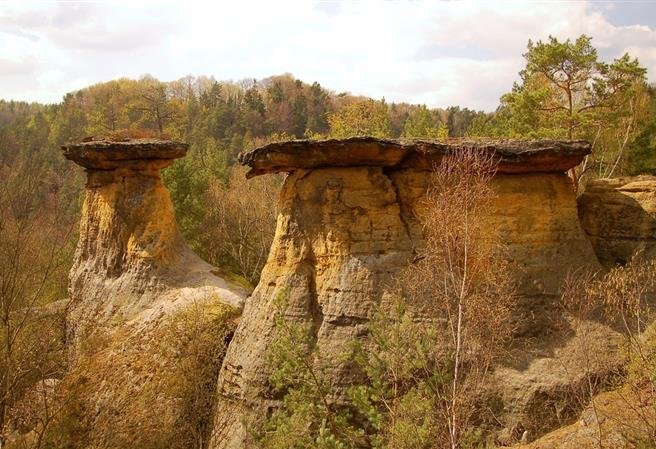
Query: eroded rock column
<point x="347" y="226"/>
<point x="149" y="320"/>
<point x="130" y="256"/>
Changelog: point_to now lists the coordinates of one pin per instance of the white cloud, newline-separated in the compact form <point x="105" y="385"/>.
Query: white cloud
<point x="438" y="53"/>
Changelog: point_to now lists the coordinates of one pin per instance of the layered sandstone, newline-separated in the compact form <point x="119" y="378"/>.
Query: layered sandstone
<point x="346" y="226"/>
<point x="149" y="320"/>
<point x="513" y="156"/>
<point x="619" y="216"/>
<point x="131" y="259"/>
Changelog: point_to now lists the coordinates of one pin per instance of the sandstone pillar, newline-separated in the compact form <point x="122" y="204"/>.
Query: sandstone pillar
<point x="142" y="304"/>
<point x="130" y="255"/>
<point x="346" y="227"/>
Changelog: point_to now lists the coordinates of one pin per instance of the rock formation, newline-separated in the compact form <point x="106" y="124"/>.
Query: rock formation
<point x="149" y="320"/>
<point x="617" y="420"/>
<point x="619" y="216"/>
<point x="346" y="226"/>
<point x="130" y="259"/>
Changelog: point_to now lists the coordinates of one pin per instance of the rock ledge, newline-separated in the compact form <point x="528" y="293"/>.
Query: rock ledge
<point x="106" y="154"/>
<point x="515" y="156"/>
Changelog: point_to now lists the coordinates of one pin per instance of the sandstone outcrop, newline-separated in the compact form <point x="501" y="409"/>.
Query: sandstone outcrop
<point x="131" y="260"/>
<point x="149" y="320"/>
<point x="346" y="226"/>
<point x="514" y="156"/>
<point x="619" y="216"/>
<point x="617" y="420"/>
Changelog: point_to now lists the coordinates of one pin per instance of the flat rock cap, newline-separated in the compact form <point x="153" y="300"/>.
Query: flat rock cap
<point x="108" y="154"/>
<point x="514" y="156"/>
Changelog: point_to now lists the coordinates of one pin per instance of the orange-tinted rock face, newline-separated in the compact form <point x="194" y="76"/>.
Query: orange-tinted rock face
<point x="344" y="233"/>
<point x="130" y="256"/>
<point x="619" y="216"/>
<point x="133" y="283"/>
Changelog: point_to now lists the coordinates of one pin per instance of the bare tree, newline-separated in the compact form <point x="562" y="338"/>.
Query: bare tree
<point x="33" y="262"/>
<point x="462" y="279"/>
<point x="241" y="220"/>
<point x="154" y="102"/>
<point x="624" y="297"/>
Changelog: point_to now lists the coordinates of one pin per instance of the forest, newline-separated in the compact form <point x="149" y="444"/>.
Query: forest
<point x="565" y="91"/>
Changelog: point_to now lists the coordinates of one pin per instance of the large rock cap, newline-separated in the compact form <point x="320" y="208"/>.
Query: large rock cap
<point x="108" y="154"/>
<point x="514" y="156"/>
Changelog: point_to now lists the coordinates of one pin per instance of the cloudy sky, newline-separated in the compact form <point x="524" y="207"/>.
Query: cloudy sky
<point x="438" y="53"/>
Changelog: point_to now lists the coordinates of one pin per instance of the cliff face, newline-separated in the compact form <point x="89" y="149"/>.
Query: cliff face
<point x="346" y="226"/>
<point x="619" y="216"/>
<point x="149" y="319"/>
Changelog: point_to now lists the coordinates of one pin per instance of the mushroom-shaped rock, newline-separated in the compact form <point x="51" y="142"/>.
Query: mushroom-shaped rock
<point x="130" y="256"/>
<point x="347" y="225"/>
<point x="144" y="306"/>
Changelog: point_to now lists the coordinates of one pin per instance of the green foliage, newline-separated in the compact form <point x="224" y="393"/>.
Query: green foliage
<point x="187" y="179"/>
<point x="420" y="123"/>
<point x="309" y="417"/>
<point x="642" y="153"/>
<point x="399" y="404"/>
<point x="567" y="93"/>
<point x="406" y="377"/>
<point x="361" y="118"/>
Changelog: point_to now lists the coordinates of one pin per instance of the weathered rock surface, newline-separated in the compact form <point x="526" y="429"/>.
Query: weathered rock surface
<point x="346" y="226"/>
<point x="619" y="216"/>
<point x="102" y="154"/>
<point x="514" y="156"/>
<point x="617" y="420"/>
<point x="131" y="259"/>
<point x="149" y="320"/>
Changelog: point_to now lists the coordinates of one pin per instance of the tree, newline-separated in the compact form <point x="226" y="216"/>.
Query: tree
<point x="318" y="107"/>
<point x="309" y="417"/>
<point x="420" y="123"/>
<point x="468" y="304"/>
<point x="35" y="250"/>
<point x="642" y="153"/>
<point x="566" y="92"/>
<point x="239" y="220"/>
<point x="299" y="111"/>
<point x="360" y="118"/>
<point x="154" y="103"/>
<point x="624" y="297"/>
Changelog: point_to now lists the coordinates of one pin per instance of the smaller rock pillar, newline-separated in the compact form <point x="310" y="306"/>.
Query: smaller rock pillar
<point x="130" y="257"/>
<point x="127" y="229"/>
